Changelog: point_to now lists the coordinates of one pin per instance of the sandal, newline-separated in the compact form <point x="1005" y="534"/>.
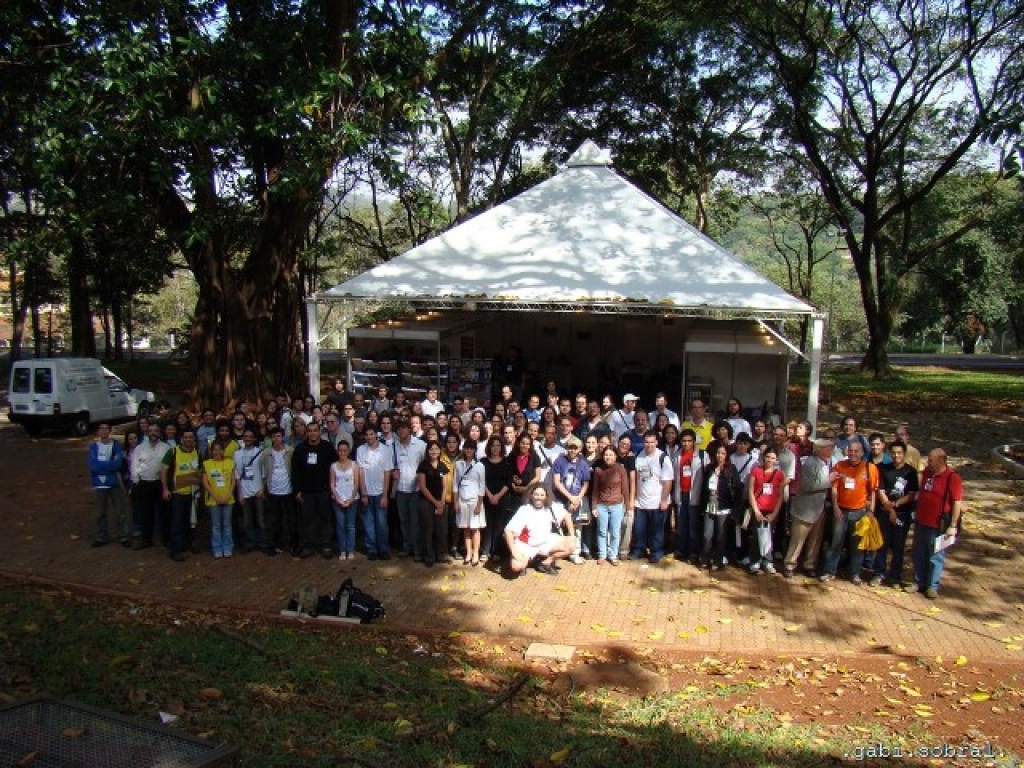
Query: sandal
<point x="475" y="562"/>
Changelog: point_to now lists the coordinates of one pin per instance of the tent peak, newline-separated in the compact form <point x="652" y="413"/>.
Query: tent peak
<point x="589" y="154"/>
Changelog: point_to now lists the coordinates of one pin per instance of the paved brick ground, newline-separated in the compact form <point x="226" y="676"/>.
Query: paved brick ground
<point x="980" y="613"/>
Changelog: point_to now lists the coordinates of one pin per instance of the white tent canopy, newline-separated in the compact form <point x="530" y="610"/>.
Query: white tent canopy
<point x="584" y="236"/>
<point x="584" y="240"/>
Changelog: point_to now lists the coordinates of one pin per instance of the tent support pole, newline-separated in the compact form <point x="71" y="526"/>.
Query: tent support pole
<point x="814" y="385"/>
<point x="313" y="342"/>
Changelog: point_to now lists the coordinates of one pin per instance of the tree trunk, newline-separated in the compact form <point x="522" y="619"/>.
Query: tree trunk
<point x="115" y="317"/>
<point x="245" y="344"/>
<point x="83" y="340"/>
<point x="17" y="310"/>
<point x="876" y="358"/>
<point x="37" y="332"/>
<point x="105" y="325"/>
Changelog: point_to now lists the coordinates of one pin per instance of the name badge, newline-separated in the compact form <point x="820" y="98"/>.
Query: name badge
<point x="767" y="490"/>
<point x="218" y="479"/>
<point x="849" y="483"/>
<point x="311" y="458"/>
<point x="248" y="473"/>
<point x="687" y="471"/>
<point x="928" y="484"/>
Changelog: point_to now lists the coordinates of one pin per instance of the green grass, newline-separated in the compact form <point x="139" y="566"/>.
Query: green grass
<point x="290" y="695"/>
<point x="920" y="388"/>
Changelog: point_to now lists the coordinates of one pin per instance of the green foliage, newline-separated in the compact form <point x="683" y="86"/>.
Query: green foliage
<point x="967" y="287"/>
<point x="885" y="100"/>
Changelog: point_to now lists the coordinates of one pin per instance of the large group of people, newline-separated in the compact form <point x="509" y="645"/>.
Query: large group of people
<point x="517" y="486"/>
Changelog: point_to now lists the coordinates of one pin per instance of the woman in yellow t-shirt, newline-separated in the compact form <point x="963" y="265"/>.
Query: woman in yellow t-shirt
<point x="219" y="485"/>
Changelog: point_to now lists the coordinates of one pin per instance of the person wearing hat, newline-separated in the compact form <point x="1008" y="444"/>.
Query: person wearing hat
<point x="807" y="519"/>
<point x="570" y="477"/>
<point x="620" y="420"/>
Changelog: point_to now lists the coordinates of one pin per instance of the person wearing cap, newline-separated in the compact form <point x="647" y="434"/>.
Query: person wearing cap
<point x="571" y="480"/>
<point x="807" y="519"/>
<point x="620" y="420"/>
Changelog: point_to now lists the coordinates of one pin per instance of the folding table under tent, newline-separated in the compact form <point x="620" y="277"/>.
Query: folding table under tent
<point x="588" y="264"/>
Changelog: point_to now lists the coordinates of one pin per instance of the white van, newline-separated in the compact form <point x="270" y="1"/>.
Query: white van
<point x="71" y="392"/>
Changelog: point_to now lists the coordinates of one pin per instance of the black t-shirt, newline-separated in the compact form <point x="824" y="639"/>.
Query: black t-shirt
<point x="434" y="478"/>
<point x="496" y="474"/>
<point x="899" y="482"/>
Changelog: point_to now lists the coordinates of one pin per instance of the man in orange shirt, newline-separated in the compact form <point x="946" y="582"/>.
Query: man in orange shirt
<point x="853" y="497"/>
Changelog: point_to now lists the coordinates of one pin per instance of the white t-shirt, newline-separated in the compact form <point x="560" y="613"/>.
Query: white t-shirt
<point x="533" y="526"/>
<point x="651" y="472"/>
<point x="374" y="463"/>
<point x="407" y="460"/>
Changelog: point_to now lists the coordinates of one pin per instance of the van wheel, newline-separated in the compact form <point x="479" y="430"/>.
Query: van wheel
<point x="143" y="412"/>
<point x="33" y="430"/>
<point x="80" y="426"/>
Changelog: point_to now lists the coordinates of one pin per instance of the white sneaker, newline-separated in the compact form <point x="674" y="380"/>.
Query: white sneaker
<point x="755" y="568"/>
<point x="769" y="568"/>
<point x="745" y="562"/>
<point x="575" y="559"/>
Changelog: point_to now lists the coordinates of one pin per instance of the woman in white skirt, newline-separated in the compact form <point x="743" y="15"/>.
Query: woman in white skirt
<point x="469" y="500"/>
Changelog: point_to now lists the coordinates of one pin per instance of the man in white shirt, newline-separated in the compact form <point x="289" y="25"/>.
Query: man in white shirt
<point x="147" y="505"/>
<point x="547" y="451"/>
<point x="249" y="474"/>
<point x="654" y="476"/>
<point x="535" y="532"/>
<point x="376" y="463"/>
<point x="620" y="420"/>
<point x="734" y="415"/>
<point x="279" y="505"/>
<point x="431" y="406"/>
<point x="408" y="453"/>
<point x="661" y="407"/>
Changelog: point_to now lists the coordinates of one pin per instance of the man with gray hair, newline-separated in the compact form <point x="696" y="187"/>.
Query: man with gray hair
<point x="807" y="507"/>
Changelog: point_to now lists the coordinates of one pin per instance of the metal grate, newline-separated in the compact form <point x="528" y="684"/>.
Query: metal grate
<point x="47" y="732"/>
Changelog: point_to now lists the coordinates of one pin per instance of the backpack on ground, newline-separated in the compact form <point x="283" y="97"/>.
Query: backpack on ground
<point x="356" y="604"/>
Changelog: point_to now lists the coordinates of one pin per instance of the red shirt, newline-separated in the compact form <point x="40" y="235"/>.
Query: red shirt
<point x="686" y="471"/>
<point x="767" y="488"/>
<point x="933" y="493"/>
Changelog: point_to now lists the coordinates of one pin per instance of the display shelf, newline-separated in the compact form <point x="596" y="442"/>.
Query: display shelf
<point x="470" y="378"/>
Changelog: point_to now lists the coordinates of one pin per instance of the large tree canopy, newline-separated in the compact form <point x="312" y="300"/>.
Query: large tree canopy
<point x="886" y="99"/>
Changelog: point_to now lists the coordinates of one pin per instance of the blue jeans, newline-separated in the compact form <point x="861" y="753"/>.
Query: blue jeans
<point x="689" y="529"/>
<point x="181" y="523"/>
<point x="894" y="541"/>
<point x="842" y="531"/>
<point x="222" y="540"/>
<point x="609" y="528"/>
<point x="408" y="517"/>
<point x="649" y="532"/>
<point x="928" y="563"/>
<point x="252" y="520"/>
<point x="345" y="526"/>
<point x="375" y="526"/>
